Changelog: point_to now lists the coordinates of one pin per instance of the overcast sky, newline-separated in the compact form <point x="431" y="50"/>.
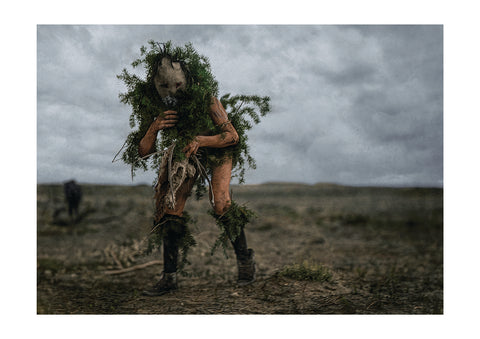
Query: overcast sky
<point x="354" y="105"/>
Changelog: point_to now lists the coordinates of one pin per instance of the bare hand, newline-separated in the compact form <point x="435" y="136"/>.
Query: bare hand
<point x="166" y="119"/>
<point x="191" y="148"/>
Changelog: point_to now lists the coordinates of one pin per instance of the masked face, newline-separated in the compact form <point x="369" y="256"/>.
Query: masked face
<point x="170" y="78"/>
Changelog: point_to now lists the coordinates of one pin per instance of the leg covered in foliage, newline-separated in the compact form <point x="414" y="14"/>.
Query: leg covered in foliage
<point x="232" y="224"/>
<point x="173" y="233"/>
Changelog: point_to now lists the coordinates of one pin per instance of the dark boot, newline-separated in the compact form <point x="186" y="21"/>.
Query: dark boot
<point x="166" y="284"/>
<point x="246" y="269"/>
<point x="173" y="229"/>
<point x="245" y="260"/>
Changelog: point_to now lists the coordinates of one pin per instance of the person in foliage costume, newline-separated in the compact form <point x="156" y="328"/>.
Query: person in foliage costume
<point x="199" y="140"/>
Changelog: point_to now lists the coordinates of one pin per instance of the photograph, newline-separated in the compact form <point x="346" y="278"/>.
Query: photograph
<point x="244" y="169"/>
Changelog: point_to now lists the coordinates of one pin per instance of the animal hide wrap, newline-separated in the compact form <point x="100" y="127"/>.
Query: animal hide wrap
<point x="171" y="176"/>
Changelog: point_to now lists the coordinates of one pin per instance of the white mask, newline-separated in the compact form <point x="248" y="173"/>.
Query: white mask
<point x="170" y="78"/>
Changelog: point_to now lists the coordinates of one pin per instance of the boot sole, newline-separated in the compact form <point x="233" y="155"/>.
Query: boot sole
<point x="245" y="283"/>
<point x="155" y="294"/>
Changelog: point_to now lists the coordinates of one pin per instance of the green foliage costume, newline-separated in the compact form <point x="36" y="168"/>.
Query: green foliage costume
<point x="193" y="105"/>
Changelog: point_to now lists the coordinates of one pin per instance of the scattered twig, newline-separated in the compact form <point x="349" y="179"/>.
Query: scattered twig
<point x="133" y="268"/>
<point x="371" y="304"/>
<point x="114" y="257"/>
<point x="119" y="151"/>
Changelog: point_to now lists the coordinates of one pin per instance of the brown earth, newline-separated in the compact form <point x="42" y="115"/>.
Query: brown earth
<point x="381" y="250"/>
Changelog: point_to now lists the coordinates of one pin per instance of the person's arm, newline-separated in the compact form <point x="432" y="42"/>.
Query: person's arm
<point x="164" y="120"/>
<point x="228" y="137"/>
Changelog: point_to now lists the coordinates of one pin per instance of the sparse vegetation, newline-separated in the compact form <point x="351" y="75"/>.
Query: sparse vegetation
<point x="306" y="271"/>
<point x="320" y="249"/>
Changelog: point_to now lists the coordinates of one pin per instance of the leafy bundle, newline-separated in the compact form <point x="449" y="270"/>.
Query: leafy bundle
<point x="192" y="105"/>
<point x="231" y="224"/>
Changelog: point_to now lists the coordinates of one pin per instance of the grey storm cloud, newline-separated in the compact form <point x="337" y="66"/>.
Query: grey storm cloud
<point x="356" y="105"/>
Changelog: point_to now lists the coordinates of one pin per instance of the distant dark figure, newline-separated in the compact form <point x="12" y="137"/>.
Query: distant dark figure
<point x="73" y="196"/>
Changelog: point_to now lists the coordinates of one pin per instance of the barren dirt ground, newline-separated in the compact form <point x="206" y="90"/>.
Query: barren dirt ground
<point x="380" y="249"/>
